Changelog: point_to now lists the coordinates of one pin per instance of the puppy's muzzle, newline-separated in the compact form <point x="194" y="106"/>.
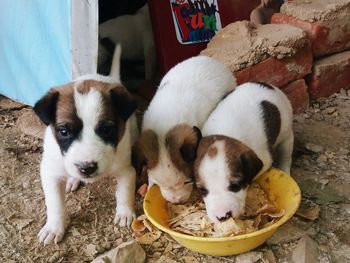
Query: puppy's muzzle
<point x="223" y="218"/>
<point x="86" y="168"/>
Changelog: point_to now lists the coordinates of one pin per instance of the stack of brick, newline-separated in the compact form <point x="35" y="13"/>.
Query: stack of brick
<point x="327" y="24"/>
<point x="276" y="54"/>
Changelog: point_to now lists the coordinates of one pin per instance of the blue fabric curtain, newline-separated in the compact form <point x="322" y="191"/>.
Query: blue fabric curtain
<point x="35" y="47"/>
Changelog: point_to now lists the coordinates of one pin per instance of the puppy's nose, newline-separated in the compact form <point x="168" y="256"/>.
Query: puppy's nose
<point x="87" y="168"/>
<point x="223" y="218"/>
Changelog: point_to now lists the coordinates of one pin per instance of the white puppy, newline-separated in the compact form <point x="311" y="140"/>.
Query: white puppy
<point x="240" y="138"/>
<point x="134" y="33"/>
<point x="91" y="128"/>
<point x="167" y="146"/>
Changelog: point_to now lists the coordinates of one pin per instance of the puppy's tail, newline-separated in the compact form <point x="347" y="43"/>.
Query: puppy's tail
<point x="115" y="69"/>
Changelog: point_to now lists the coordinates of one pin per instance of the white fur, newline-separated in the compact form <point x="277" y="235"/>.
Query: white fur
<point x="134" y="33"/>
<point x="187" y="94"/>
<point x="56" y="169"/>
<point x="217" y="168"/>
<point x="239" y="116"/>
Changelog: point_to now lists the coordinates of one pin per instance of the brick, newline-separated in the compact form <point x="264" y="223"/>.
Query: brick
<point x="243" y="44"/>
<point x="278" y="72"/>
<point x="325" y="22"/>
<point x="329" y="75"/>
<point x="297" y="93"/>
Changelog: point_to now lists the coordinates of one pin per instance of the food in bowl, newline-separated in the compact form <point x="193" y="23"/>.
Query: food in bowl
<point x="191" y="218"/>
<point x="282" y="191"/>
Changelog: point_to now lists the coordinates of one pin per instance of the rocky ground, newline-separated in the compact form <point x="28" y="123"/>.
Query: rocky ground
<point x="318" y="233"/>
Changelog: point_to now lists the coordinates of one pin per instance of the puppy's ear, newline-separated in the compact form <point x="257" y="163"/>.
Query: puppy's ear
<point x="251" y="165"/>
<point x="45" y="108"/>
<point x="125" y="103"/>
<point x="189" y="147"/>
<point x="145" y="151"/>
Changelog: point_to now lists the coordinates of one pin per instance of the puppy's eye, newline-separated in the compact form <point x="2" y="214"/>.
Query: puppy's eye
<point x="234" y="188"/>
<point x="63" y="132"/>
<point x="188" y="182"/>
<point x="202" y="191"/>
<point x="105" y="129"/>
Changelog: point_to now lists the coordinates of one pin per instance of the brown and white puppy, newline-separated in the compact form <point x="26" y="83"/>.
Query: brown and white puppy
<point x="89" y="134"/>
<point x="167" y="146"/>
<point x="241" y="136"/>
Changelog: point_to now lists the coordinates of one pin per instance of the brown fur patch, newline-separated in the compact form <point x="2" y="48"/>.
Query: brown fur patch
<point x="272" y="122"/>
<point x="145" y="151"/>
<point x="84" y="86"/>
<point x="111" y="111"/>
<point x="65" y="111"/>
<point x="213" y="151"/>
<point x="234" y="152"/>
<point x="181" y="143"/>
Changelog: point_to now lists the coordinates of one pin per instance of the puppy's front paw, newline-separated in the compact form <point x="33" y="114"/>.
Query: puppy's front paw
<point x="124" y="217"/>
<point x="72" y="184"/>
<point x="51" y="233"/>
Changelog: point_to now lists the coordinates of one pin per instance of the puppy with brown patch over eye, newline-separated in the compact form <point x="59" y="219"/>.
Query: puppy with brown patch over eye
<point x="90" y="131"/>
<point x="241" y="136"/>
<point x="167" y="146"/>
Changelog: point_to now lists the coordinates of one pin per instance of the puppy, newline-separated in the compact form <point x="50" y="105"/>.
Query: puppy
<point x="89" y="134"/>
<point x="134" y="33"/>
<point x="167" y="146"/>
<point x="239" y="141"/>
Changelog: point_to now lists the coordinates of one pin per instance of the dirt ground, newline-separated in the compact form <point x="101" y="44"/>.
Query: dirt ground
<point x="321" y="167"/>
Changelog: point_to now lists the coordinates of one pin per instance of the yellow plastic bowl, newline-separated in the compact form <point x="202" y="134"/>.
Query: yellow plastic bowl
<point x="282" y="191"/>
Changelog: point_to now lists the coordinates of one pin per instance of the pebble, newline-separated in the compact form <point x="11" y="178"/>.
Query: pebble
<point x="347" y="208"/>
<point x="322" y="158"/>
<point x="330" y="110"/>
<point x="314" y="147"/>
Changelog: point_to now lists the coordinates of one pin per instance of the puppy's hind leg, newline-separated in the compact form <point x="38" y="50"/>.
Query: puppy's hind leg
<point x="284" y="152"/>
<point x="125" y="195"/>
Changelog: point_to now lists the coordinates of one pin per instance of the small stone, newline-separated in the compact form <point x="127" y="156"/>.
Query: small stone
<point x="314" y="147"/>
<point x="323" y="182"/>
<point x="286" y="233"/>
<point x="306" y="251"/>
<point x="126" y="252"/>
<point x="330" y="110"/>
<point x="322" y="158"/>
<point x="250" y="257"/>
<point x="347" y="208"/>
<point x="309" y="213"/>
